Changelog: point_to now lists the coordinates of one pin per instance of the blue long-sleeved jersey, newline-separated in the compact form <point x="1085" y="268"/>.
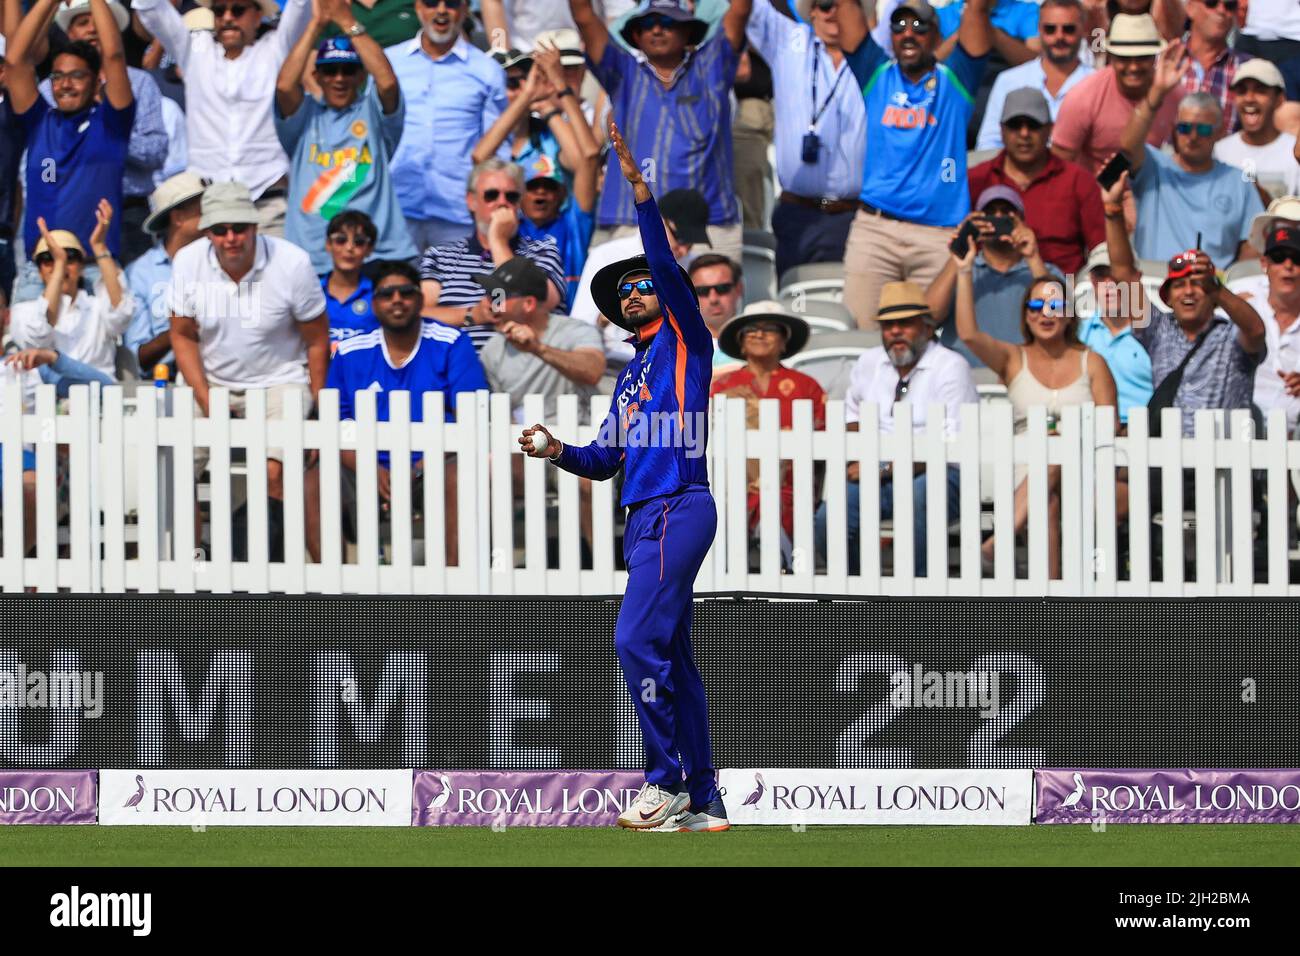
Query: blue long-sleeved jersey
<point x="657" y="426"/>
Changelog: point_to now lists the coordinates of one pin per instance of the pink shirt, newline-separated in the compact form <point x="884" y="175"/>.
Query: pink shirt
<point x="1093" y="116"/>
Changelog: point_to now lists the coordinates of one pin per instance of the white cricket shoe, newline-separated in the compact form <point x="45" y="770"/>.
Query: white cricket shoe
<point x="712" y="819"/>
<point x="652" y="807"/>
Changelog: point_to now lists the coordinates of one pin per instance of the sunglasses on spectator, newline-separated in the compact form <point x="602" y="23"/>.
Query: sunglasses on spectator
<point x="1018" y="124"/>
<point x="722" y="288"/>
<point x="656" y="20"/>
<point x="45" y="258"/>
<point x="1037" y="305"/>
<point x="406" y="291"/>
<point x="1204" y="130"/>
<point x="238" y="228"/>
<point x="344" y="239"/>
<point x="236" y="10"/>
<point x="643" y="286"/>
<point x="919" y="27"/>
<point x="1279" y="256"/>
<point x="825" y="6"/>
<point x="1229" y="5"/>
<point x="449" y="4"/>
<point x="76" y="76"/>
<point x="492" y="195"/>
<point x="514" y="82"/>
<point x="1067" y="29"/>
<point x="763" y="328"/>
<point x="338" y="69"/>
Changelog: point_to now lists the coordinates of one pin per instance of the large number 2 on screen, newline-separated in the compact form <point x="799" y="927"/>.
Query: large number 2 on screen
<point x="982" y="750"/>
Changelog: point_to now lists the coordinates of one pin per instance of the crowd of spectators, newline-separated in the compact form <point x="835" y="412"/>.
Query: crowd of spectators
<point x="414" y="195"/>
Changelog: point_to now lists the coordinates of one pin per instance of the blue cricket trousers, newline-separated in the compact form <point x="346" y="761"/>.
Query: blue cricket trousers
<point x="664" y="544"/>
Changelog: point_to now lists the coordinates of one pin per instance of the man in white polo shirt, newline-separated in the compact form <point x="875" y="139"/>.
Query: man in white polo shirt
<point x="247" y="311"/>
<point x="910" y="366"/>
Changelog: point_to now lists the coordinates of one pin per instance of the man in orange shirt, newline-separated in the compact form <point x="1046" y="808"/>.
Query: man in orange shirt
<point x="761" y="336"/>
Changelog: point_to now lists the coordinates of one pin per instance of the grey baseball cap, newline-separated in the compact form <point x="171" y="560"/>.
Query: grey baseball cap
<point x="1027" y="102"/>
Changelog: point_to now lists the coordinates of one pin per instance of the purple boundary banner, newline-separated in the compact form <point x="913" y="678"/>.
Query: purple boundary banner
<point x="1166" y="796"/>
<point x="48" y="796"/>
<point x="559" y="798"/>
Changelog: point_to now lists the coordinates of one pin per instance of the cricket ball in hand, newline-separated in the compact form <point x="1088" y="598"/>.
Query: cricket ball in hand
<point x="540" y="442"/>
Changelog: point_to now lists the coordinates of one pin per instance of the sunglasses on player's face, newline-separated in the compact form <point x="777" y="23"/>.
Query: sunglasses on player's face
<point x="238" y="228"/>
<point x="1066" y="29"/>
<point x="901" y="25"/>
<point x="236" y="10"/>
<point x="1203" y="130"/>
<point x="406" y="291"/>
<point x="338" y="69"/>
<point x="643" y="286"/>
<point x="492" y="195"/>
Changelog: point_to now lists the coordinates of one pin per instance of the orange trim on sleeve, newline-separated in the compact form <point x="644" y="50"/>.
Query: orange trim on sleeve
<point x="679" y="371"/>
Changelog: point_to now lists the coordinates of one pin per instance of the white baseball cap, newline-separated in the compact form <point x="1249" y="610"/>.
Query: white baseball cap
<point x="1261" y="71"/>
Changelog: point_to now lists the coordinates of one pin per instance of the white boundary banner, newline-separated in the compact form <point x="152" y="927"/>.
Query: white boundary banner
<point x="810" y="797"/>
<point x="255" y="797"/>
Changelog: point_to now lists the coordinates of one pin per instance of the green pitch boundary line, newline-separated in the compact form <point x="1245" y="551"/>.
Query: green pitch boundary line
<point x="1117" y="845"/>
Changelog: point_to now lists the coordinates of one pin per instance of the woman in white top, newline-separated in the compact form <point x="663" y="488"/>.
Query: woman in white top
<point x="1051" y="368"/>
<point x="82" y="325"/>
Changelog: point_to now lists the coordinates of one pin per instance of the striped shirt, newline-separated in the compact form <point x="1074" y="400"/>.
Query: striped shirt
<point x="453" y="265"/>
<point x="1220" y="375"/>
<point x="682" y="132"/>
<point x="1217" y="81"/>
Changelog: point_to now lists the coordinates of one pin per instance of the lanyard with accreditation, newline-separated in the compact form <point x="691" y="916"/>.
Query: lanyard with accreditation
<point x="812" y="143"/>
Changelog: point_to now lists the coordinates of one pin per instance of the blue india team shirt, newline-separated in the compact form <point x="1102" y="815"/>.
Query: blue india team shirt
<point x="443" y="361"/>
<point x="571" y="231"/>
<point x="353" y="316"/>
<point x="916" y="135"/>
<point x="1015" y="18"/>
<point x="74" y="161"/>
<point x="340" y="160"/>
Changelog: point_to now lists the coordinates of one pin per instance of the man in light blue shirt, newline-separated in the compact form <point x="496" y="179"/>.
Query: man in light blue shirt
<point x="453" y="94"/>
<point x="1054" y="73"/>
<point x="820" y="130"/>
<point x="1190" y="195"/>
<point x="174" y="210"/>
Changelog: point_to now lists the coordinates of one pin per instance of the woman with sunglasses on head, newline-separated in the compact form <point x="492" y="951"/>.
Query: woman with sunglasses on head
<point x="1050" y="368"/>
<point x="83" y="325"/>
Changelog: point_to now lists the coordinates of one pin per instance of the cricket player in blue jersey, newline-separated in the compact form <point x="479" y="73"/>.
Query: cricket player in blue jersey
<point x="656" y="432"/>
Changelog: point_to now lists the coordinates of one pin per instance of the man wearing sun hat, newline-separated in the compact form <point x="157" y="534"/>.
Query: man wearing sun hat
<point x="174" y="210"/>
<point x="909" y="367"/>
<point x="341" y="145"/>
<point x="1092" y="118"/>
<point x="761" y="336"/>
<point x="230" y="79"/>
<point x="147" y="147"/>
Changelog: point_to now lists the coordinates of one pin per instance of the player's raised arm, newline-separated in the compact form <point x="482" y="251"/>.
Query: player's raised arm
<point x="676" y="296"/>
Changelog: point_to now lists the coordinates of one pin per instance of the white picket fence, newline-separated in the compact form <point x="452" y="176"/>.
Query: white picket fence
<point x="115" y="484"/>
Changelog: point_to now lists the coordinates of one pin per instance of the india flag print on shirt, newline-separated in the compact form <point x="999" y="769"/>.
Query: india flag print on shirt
<point x="345" y="172"/>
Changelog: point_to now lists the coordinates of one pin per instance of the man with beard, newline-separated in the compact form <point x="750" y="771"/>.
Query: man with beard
<point x="914" y="188"/>
<point x="655" y="433"/>
<point x="1054" y="72"/>
<point x="453" y="93"/>
<point x="1263" y="151"/>
<point x="908" y="366"/>
<point x="230" y="92"/>
<point x="1061" y="202"/>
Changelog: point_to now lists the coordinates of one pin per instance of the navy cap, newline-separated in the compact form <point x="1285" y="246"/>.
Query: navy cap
<point x="337" y="50"/>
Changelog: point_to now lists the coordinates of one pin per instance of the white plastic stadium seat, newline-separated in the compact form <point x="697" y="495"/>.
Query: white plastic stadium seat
<point x="1241" y="270"/>
<point x="829" y="358"/>
<point x="976" y="156"/>
<point x="815" y="280"/>
<point x="822" y="315"/>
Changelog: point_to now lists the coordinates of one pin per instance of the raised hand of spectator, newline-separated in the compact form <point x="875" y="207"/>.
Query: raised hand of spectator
<point x="546" y="60"/>
<point x="1204" y="270"/>
<point x="99" y="238"/>
<point x="1171" y="67"/>
<point x="56" y="251"/>
<point x="1023" y="238"/>
<point x="1115" y="194"/>
<point x="538" y="88"/>
<point x="503" y="223"/>
<point x="333" y="10"/>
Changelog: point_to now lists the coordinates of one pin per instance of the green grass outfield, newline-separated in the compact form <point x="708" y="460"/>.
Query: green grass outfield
<point x="1130" y="845"/>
